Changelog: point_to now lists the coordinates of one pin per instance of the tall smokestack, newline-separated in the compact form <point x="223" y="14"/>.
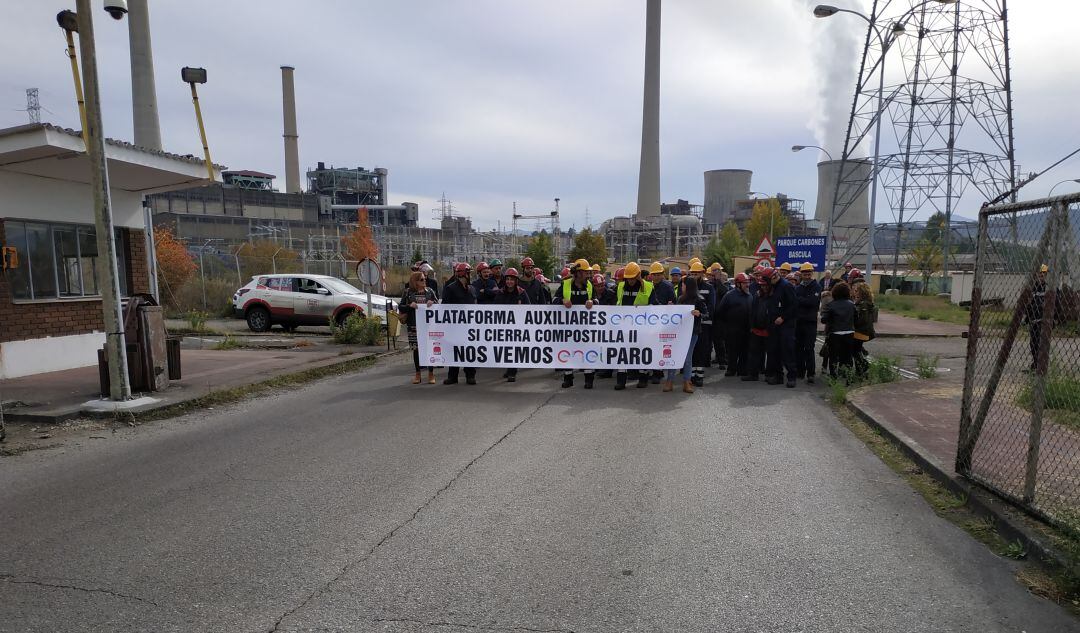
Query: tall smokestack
<point x="648" y="201"/>
<point x="144" y="109"/>
<point x="292" y="148"/>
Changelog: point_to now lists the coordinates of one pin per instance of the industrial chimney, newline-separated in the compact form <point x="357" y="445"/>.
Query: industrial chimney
<point x="292" y="148"/>
<point x="648" y="202"/>
<point x="144" y="109"/>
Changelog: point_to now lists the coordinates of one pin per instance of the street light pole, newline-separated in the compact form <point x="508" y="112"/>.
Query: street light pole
<point x="115" y="343"/>
<point x="1076" y="180"/>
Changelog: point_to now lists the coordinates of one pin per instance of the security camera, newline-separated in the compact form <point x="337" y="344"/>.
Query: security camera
<point x="116" y="8"/>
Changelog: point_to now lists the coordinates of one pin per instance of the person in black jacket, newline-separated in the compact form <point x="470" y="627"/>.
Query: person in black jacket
<point x="486" y="286"/>
<point x="782" y="318"/>
<point x="839" y="319"/>
<point x="416" y="296"/>
<point x="429" y="277"/>
<point x="530" y="282"/>
<point x="603" y="294"/>
<point x="719" y="340"/>
<point x="733" y="314"/>
<point x="511" y="294"/>
<point x="808" y="301"/>
<point x="459" y="291"/>
<point x="703" y="350"/>
<point x="758" y="341"/>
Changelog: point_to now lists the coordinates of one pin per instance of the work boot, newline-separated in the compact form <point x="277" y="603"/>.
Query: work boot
<point x="589" y="380"/>
<point x="511" y="379"/>
<point x="567" y="381"/>
<point x="470" y="381"/>
<point x="655" y="379"/>
<point x="729" y="373"/>
<point x="790" y="383"/>
<point x="810" y="379"/>
<point x="620" y="381"/>
<point x="697" y="381"/>
<point x="688" y="387"/>
<point x="431" y="377"/>
<point x="416" y="379"/>
<point x="668" y="386"/>
<point x="643" y="382"/>
<point x="450" y="381"/>
<point x="775" y="380"/>
<point x="750" y="378"/>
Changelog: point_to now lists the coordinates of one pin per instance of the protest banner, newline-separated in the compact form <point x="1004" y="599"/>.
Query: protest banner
<point x="554" y="337"/>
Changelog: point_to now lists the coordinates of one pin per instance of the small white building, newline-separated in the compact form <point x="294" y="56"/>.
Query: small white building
<point x="50" y="308"/>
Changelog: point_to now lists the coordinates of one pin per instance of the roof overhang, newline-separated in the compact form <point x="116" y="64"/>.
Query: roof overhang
<point x="57" y="154"/>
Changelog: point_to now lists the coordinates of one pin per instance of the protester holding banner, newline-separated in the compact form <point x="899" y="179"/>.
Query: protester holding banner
<point x="458" y="291"/>
<point x="602" y="293"/>
<point x="511" y="294"/>
<point x="733" y="314"/>
<point x="577" y="290"/>
<point x="703" y="351"/>
<point x="689" y="296"/>
<point x="808" y="299"/>
<point x="485" y="285"/>
<point x="531" y="283"/>
<point x="633" y="291"/>
<point x="416" y="294"/>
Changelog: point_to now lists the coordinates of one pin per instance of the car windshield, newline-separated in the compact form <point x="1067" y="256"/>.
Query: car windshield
<point x="339" y="286"/>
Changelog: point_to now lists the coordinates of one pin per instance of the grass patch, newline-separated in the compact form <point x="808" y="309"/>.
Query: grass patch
<point x="926" y="365"/>
<point x="925" y="308"/>
<point x="1061" y="586"/>
<point x="1062" y="397"/>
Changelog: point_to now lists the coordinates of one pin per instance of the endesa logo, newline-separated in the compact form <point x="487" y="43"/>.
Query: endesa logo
<point x="566" y="356"/>
<point x="644" y="319"/>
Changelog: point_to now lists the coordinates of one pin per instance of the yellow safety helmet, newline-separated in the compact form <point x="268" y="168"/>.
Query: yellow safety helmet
<point x="806" y="267"/>
<point x="596" y="268"/>
<point x="786" y="267"/>
<point x="582" y="264"/>
<point x="632" y="271"/>
<point x="715" y="266"/>
<point x="694" y="260"/>
<point x="696" y="267"/>
<point x="1044" y="268"/>
<point x="656" y="267"/>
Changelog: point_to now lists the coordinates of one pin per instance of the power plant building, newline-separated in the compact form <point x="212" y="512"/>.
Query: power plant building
<point x="723" y="188"/>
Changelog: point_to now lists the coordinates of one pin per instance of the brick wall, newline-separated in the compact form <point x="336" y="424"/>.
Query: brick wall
<point x="38" y="319"/>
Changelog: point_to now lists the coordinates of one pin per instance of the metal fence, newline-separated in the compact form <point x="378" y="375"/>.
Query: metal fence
<point x="1020" y="414"/>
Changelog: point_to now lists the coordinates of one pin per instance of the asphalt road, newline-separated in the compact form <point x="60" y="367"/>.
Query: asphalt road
<point x="363" y="503"/>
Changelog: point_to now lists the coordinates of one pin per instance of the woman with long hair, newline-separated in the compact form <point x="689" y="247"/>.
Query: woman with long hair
<point x="417" y="294"/>
<point x="839" y="319"/>
<point x="691" y="297"/>
<point x="863" y="298"/>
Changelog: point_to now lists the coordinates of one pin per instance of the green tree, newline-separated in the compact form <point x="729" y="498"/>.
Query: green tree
<point x="730" y="245"/>
<point x="766" y="214"/>
<point x="925" y="257"/>
<point x="416" y="256"/>
<point x="590" y="246"/>
<point x="541" y="249"/>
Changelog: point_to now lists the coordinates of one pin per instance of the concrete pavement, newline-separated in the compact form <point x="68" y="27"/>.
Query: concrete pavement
<point x="363" y="503"/>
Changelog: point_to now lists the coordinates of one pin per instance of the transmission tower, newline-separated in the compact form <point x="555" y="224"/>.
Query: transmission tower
<point x="935" y="80"/>
<point x="33" y="106"/>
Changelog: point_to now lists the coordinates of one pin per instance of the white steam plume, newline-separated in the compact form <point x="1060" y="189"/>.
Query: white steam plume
<point x="836" y="46"/>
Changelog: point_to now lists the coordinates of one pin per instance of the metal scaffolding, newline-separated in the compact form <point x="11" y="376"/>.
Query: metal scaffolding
<point x="934" y="95"/>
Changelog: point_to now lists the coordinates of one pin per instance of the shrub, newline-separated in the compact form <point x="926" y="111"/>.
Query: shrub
<point x="357" y="330"/>
<point x="219" y="294"/>
<point x="883" y="369"/>
<point x="197" y="320"/>
<point x="926" y="366"/>
<point x="923" y="316"/>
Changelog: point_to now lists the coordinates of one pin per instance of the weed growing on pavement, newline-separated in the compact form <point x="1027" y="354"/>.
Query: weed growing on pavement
<point x="1015" y="550"/>
<point x="228" y="343"/>
<point x="882" y="369"/>
<point x="197" y="320"/>
<point x="357" y="330"/>
<point x="926" y="365"/>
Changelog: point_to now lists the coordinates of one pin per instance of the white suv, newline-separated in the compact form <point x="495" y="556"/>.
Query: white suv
<point x="297" y="299"/>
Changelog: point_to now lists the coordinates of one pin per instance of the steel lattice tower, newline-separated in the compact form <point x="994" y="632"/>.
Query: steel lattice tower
<point x="935" y="79"/>
<point x="33" y="106"/>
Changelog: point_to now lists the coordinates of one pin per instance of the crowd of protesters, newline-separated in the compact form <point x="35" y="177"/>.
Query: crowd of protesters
<point x="761" y="324"/>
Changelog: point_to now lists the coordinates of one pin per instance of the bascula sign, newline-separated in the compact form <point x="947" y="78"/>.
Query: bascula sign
<point x="799" y="249"/>
<point x="552" y="336"/>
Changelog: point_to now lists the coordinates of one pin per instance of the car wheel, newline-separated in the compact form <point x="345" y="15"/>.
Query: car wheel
<point x="345" y="314"/>
<point x="258" y="319"/>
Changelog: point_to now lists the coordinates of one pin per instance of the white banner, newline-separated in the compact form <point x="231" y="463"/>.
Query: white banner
<point x="552" y="336"/>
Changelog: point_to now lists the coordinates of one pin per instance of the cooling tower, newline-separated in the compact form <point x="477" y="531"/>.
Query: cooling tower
<point x="292" y="149"/>
<point x="852" y="213"/>
<point x="722" y="188"/>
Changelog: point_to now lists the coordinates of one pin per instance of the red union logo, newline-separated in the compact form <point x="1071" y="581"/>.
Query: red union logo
<point x="435" y="334"/>
<point x="668" y="337"/>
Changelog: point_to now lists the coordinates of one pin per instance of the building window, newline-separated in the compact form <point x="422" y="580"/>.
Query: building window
<point x="58" y="261"/>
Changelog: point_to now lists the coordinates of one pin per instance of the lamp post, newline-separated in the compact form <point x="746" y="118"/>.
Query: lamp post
<point x="897" y="29"/>
<point x="799" y="148"/>
<point x="1076" y="180"/>
<point x="192" y="76"/>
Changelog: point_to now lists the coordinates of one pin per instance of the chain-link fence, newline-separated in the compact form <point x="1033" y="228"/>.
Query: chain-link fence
<point x="1020" y="415"/>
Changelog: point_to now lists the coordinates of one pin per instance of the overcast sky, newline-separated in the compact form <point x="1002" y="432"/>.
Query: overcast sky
<point x="495" y="101"/>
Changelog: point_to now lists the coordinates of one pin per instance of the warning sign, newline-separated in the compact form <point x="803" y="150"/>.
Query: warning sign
<point x="765" y="249"/>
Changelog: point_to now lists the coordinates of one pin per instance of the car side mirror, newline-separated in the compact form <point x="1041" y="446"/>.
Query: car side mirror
<point x="323" y="291"/>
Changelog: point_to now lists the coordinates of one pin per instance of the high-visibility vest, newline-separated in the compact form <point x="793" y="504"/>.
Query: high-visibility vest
<point x="566" y="289"/>
<point x="642" y="298"/>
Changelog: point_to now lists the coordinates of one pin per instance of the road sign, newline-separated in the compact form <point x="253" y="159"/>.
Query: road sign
<point x="765" y="248"/>
<point x="368" y="272"/>
<point x="798" y="249"/>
